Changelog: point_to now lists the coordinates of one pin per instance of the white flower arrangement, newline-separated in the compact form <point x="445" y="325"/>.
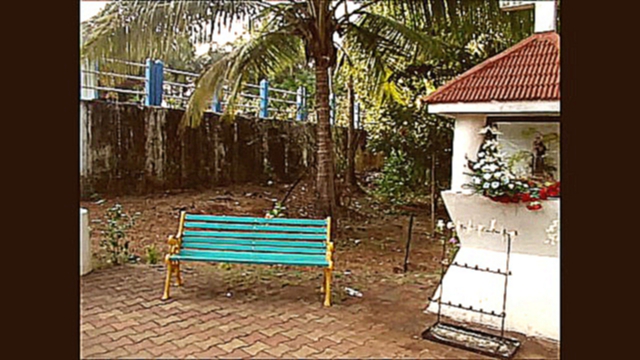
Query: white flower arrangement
<point x="492" y="176"/>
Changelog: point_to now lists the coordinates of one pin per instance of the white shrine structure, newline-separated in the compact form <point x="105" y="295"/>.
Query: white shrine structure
<point x="517" y="92"/>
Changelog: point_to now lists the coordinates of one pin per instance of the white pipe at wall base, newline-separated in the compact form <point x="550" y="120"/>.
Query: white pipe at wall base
<point x="85" y="243"/>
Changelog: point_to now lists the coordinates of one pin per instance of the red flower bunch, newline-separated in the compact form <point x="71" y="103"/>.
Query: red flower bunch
<point x="553" y="190"/>
<point x="526" y="197"/>
<point x="536" y="193"/>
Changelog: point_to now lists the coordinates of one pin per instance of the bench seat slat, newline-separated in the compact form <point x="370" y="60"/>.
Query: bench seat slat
<point x="283" y="236"/>
<point x="253" y="220"/>
<point x="256" y="227"/>
<point x="251" y="257"/>
<point x="209" y="240"/>
<point x="257" y="248"/>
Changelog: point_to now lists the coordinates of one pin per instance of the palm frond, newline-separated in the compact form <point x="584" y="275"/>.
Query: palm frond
<point x="263" y="54"/>
<point x="461" y="18"/>
<point x="137" y="29"/>
<point x="208" y="84"/>
<point x="383" y="44"/>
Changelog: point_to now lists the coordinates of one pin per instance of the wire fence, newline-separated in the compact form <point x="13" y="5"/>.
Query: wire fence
<point x="153" y="84"/>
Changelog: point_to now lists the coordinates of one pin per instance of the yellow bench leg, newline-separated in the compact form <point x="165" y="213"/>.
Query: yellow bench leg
<point x="179" y="281"/>
<point x="327" y="287"/>
<point x="167" y="282"/>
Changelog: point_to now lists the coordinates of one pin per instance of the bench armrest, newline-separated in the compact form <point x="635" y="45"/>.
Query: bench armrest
<point x="174" y="244"/>
<point x="173" y="240"/>
<point x="330" y="248"/>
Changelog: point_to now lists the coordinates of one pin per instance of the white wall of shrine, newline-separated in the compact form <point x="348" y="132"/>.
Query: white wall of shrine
<point x="533" y="292"/>
<point x="533" y="296"/>
<point x="466" y="142"/>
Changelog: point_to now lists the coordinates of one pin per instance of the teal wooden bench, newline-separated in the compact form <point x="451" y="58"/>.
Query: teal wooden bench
<point x="248" y="240"/>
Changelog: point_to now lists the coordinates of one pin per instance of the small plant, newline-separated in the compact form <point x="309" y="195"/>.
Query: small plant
<point x="224" y="266"/>
<point x="152" y="254"/>
<point x="454" y="246"/>
<point x="451" y="237"/>
<point x="114" y="241"/>
<point x="277" y="211"/>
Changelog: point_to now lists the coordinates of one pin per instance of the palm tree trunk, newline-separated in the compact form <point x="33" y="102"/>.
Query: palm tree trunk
<point x="325" y="182"/>
<point x="351" y="137"/>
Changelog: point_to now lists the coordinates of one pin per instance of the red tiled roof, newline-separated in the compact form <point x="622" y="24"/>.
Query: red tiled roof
<point x="529" y="70"/>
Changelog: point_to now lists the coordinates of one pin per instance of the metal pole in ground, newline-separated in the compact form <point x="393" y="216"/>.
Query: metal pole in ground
<point x="406" y="254"/>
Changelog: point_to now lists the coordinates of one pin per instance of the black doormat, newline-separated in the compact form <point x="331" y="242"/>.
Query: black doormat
<point x="472" y="340"/>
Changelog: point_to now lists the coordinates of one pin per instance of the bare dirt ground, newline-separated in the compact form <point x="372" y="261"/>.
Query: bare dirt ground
<point x="370" y="243"/>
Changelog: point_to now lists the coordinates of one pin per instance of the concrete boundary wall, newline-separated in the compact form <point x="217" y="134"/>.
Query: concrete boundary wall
<point x="129" y="149"/>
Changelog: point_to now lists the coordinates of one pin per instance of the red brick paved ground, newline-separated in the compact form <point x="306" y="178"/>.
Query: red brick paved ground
<point x="122" y="317"/>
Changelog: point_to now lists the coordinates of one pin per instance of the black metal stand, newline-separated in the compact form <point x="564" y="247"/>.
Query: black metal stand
<point x="406" y="252"/>
<point x="469" y="339"/>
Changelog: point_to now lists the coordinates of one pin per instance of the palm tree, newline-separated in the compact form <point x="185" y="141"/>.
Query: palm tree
<point x="285" y="31"/>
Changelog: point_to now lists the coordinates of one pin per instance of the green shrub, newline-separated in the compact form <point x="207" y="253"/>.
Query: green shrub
<point x="114" y="238"/>
<point x="396" y="180"/>
<point x="152" y="254"/>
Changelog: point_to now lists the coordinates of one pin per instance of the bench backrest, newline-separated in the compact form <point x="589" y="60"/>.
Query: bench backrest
<point x="232" y="233"/>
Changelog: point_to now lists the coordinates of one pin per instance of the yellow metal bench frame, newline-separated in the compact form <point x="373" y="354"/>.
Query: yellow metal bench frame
<point x="173" y="266"/>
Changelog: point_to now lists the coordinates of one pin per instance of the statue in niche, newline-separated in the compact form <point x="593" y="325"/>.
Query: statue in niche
<point x="539" y="153"/>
